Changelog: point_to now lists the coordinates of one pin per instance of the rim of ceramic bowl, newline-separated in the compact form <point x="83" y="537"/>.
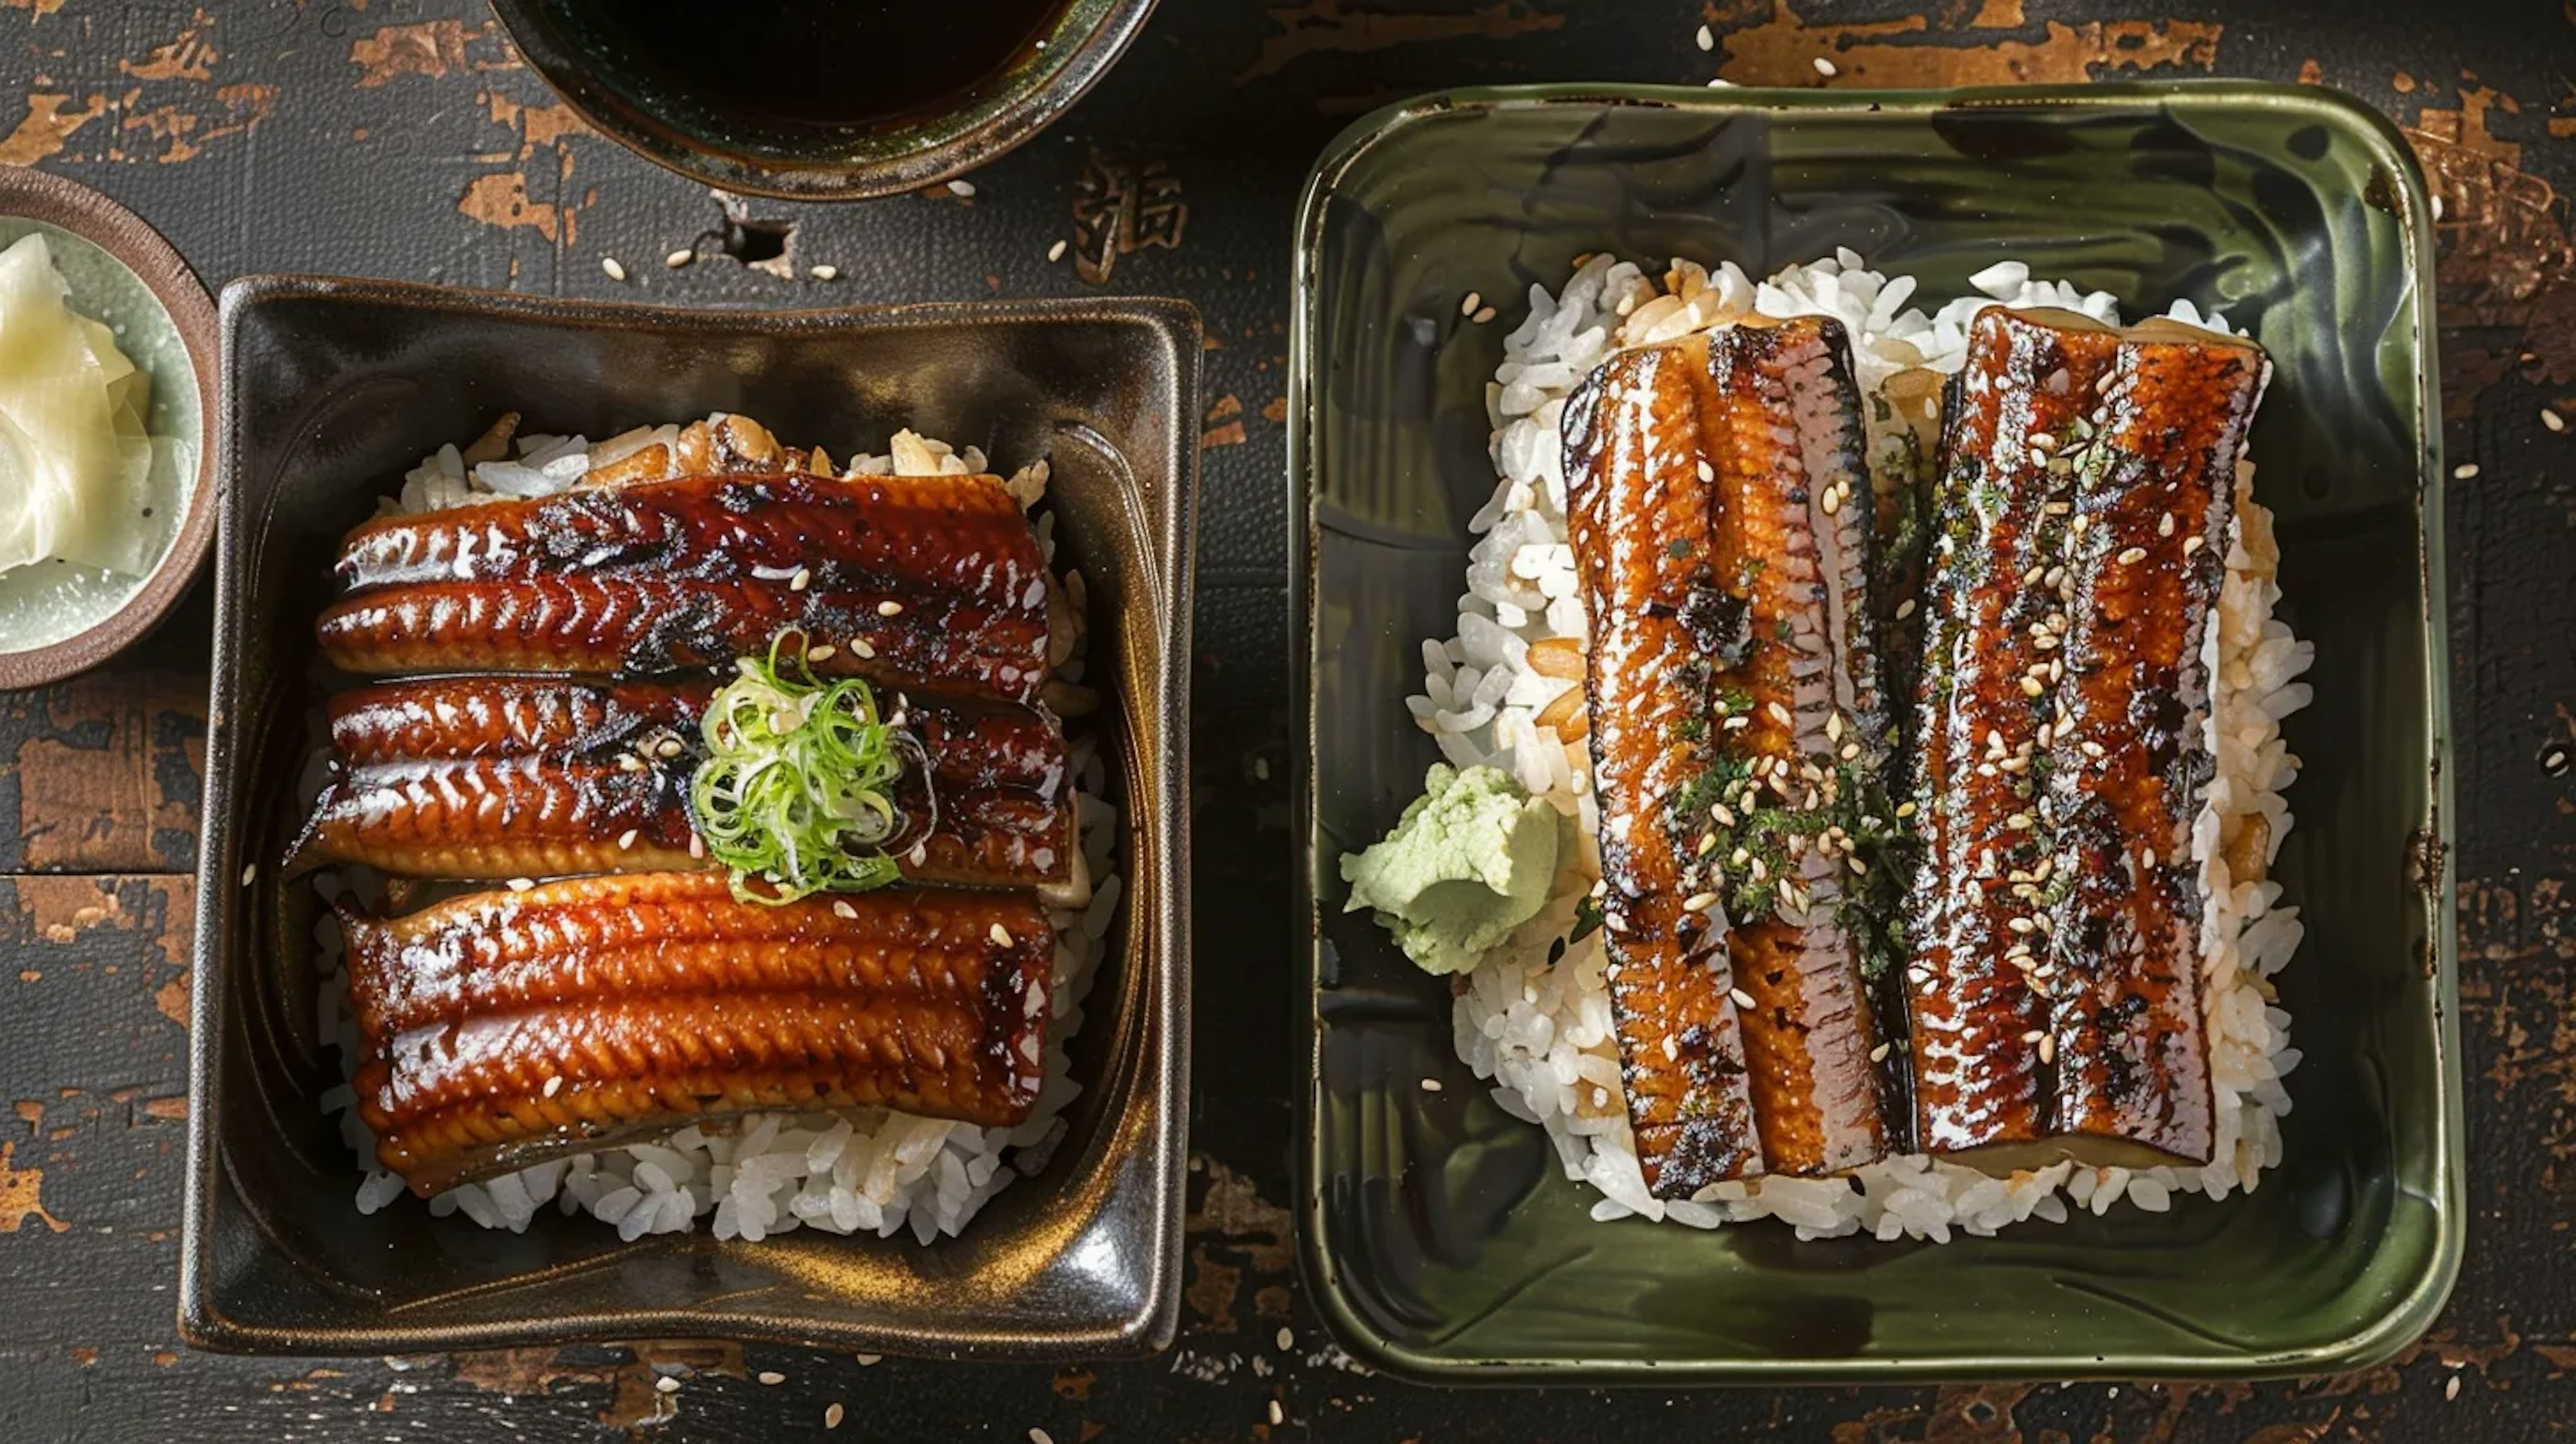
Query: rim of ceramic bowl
<point x="69" y="206"/>
<point x="953" y="142"/>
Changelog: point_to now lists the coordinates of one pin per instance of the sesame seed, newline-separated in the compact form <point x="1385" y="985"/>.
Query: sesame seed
<point x="1055" y="252"/>
<point x="1905" y="809"/>
<point x="2019" y="925"/>
<point x="1742" y="998"/>
<point x="2133" y="556"/>
<point x="961" y="188"/>
<point x="697" y="845"/>
<point x="2031" y="578"/>
<point x="2451" y="1388"/>
<point x="1001" y="935"/>
<point x="823" y="653"/>
<point x="860" y="646"/>
<point x="1707" y="472"/>
<point x="667" y="1384"/>
<point x="1719" y="811"/>
<point x="2191" y="544"/>
<point x="615" y="271"/>
<point x="889" y="609"/>
<point x="867" y="1360"/>
<point x="1483" y="314"/>
<point x="1468" y="306"/>
<point x="1737" y="724"/>
<point x="2078" y="524"/>
<point x="1707" y="844"/>
<point x="554" y="1085"/>
<point x="1430" y="1085"/>
<point x="772" y="1376"/>
<point x="629" y="762"/>
<point x="824" y="272"/>
<point x="2552" y="419"/>
<point x="1276" y="1418"/>
<point x="1704" y="39"/>
<point x="1778" y="713"/>
<point x="522" y="884"/>
<point x="626" y="839"/>
<point x="2033" y="1036"/>
<point x="1824" y="67"/>
<point x="832" y="1416"/>
<point x="804" y="578"/>
<point x="2464" y="471"/>
<point x="680" y="257"/>
<point x="2047" y="1049"/>
<point x="249" y="872"/>
<point x="2031" y="686"/>
<point x="2165" y="525"/>
<point x="1879" y="1053"/>
<point x="1287" y="1340"/>
<point x="1698" y="902"/>
<point x="1832" y="502"/>
<point x="670" y="747"/>
<point x="1905" y="609"/>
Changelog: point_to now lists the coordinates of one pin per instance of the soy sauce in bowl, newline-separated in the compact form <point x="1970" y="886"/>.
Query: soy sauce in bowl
<point x="823" y="66"/>
<point x="825" y="99"/>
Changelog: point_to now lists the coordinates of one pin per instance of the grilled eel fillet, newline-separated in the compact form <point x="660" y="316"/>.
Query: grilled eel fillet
<point x="2053" y="986"/>
<point x="1711" y="492"/>
<point x="1987" y="711"/>
<point x="2158" y="495"/>
<point x="934" y="581"/>
<point x="502" y="777"/>
<point x="506" y="1027"/>
<point x="963" y="536"/>
<point x="1795" y="532"/>
<point x="1639" y="512"/>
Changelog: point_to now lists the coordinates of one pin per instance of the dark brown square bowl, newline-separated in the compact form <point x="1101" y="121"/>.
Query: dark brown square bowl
<point x="333" y="388"/>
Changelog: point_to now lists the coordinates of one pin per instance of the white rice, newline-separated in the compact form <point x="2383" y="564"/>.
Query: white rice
<point x="1542" y="1032"/>
<point x="870" y="1171"/>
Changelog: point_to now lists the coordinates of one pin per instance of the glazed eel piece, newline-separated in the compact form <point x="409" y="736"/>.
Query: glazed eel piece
<point x="506" y="777"/>
<point x="1984" y="727"/>
<point x="1719" y="510"/>
<point x="959" y="536"/>
<point x="2157" y="490"/>
<point x="504" y="1028"/>
<point x="2089" y="499"/>
<point x="1640" y="501"/>
<point x="640" y="623"/>
<point x="1802" y="727"/>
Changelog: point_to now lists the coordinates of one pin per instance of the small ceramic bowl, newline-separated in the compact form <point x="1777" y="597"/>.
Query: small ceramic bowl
<point x="123" y="273"/>
<point x="729" y="149"/>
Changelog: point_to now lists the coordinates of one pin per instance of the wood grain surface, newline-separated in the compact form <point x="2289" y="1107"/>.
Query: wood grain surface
<point x="402" y="138"/>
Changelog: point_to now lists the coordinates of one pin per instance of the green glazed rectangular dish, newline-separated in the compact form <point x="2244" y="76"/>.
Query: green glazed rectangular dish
<point x="1444" y="1241"/>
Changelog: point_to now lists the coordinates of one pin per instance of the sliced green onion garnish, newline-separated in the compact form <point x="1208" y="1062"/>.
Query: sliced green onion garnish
<point x="796" y="795"/>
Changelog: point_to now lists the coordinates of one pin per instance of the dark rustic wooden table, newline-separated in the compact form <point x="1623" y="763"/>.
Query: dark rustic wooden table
<point x="401" y="138"/>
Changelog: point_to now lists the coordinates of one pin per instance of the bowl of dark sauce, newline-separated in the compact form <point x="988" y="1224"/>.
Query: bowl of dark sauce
<point x="821" y="101"/>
